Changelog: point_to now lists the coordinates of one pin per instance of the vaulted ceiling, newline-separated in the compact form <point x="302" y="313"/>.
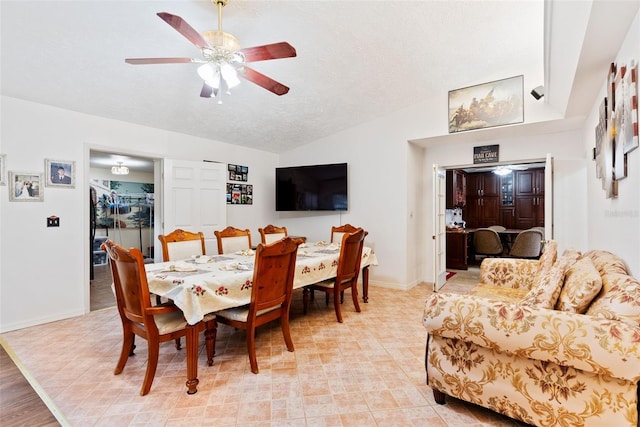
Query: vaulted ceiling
<point x="357" y="60"/>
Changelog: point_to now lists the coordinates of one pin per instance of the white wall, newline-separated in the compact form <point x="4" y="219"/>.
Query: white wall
<point x="614" y="224"/>
<point x="44" y="272"/>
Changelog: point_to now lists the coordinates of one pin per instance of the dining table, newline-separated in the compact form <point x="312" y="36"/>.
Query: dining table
<point x="205" y="284"/>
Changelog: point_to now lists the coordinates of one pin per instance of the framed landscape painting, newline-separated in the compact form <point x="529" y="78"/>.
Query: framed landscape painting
<point x="487" y="105"/>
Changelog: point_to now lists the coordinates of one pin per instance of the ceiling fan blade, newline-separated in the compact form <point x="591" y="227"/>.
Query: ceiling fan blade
<point x="269" y="51"/>
<point x="263" y="81"/>
<point x="207" y="91"/>
<point x="141" y="61"/>
<point x="181" y="26"/>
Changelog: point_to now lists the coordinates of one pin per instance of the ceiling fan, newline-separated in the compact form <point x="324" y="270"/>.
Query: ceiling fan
<point x="223" y="61"/>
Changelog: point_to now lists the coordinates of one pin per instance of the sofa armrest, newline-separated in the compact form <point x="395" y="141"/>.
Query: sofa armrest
<point x="509" y="272"/>
<point x="591" y="344"/>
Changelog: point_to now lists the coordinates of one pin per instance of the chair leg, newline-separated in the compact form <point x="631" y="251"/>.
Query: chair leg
<point x="210" y="334"/>
<point x="354" y="296"/>
<point x="251" y="348"/>
<point x="284" y="322"/>
<point x="128" y="339"/>
<point x="153" y="346"/>
<point x="439" y="397"/>
<point x="336" y="304"/>
<point x="326" y="298"/>
<point x="178" y="345"/>
<point x="192" y="359"/>
<point x="305" y="299"/>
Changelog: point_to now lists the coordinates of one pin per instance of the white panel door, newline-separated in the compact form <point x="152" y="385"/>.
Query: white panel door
<point x="439" y="227"/>
<point x="195" y="198"/>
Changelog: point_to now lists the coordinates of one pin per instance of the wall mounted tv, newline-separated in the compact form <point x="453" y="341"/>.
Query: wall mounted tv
<point x="312" y="188"/>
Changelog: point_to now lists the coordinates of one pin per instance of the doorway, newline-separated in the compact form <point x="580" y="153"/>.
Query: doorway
<point x="457" y="214"/>
<point x="122" y="208"/>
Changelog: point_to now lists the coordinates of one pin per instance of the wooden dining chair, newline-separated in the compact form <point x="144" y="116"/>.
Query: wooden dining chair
<point x="233" y="239"/>
<point x="155" y="324"/>
<point x="181" y="244"/>
<point x="347" y="274"/>
<point x="271" y="233"/>
<point x="271" y="291"/>
<point x="338" y="231"/>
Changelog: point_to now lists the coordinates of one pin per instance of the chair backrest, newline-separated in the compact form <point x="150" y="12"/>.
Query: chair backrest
<point x="528" y="244"/>
<point x="271" y="233"/>
<point x="338" y="232"/>
<point x="233" y="239"/>
<point x="497" y="228"/>
<point x="487" y="242"/>
<point x="181" y="244"/>
<point x="273" y="274"/>
<point x="130" y="282"/>
<point x="350" y="256"/>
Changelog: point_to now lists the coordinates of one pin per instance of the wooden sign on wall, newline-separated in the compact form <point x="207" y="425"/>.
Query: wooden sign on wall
<point x="486" y="154"/>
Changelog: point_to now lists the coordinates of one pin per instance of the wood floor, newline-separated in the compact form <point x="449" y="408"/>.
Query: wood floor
<point x="20" y="405"/>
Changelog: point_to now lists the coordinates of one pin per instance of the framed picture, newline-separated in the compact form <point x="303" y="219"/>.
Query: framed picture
<point x="487" y="105"/>
<point x="26" y="187"/>
<point x="3" y="170"/>
<point x="60" y="173"/>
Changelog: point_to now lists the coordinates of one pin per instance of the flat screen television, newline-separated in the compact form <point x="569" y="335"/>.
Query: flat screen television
<point x="312" y="188"/>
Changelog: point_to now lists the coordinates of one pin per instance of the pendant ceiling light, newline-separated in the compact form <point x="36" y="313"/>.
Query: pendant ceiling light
<point x="120" y="170"/>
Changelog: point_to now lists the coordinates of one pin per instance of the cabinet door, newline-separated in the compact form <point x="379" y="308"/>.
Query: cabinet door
<point x="526" y="212"/>
<point x="457" y="251"/>
<point x="490" y="211"/>
<point x="525" y="183"/>
<point x="490" y="184"/>
<point x="507" y="217"/>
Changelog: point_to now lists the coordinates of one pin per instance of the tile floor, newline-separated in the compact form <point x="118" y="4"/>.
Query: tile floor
<point x="368" y="371"/>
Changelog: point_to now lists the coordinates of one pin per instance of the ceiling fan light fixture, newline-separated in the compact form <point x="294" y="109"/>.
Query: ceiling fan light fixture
<point x="502" y="170"/>
<point x="229" y="74"/>
<point x="120" y="170"/>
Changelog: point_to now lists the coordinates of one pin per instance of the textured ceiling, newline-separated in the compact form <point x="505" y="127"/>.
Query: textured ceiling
<point x="357" y="60"/>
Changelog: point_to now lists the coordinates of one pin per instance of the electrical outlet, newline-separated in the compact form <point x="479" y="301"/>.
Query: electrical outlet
<point x="53" y="221"/>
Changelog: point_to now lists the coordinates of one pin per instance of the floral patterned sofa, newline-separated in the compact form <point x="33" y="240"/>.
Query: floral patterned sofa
<point x="551" y="342"/>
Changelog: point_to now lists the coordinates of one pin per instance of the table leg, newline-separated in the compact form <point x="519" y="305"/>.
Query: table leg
<point x="365" y="284"/>
<point x="192" y="360"/>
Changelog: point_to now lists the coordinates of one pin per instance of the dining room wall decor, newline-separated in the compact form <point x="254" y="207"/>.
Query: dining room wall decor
<point x="3" y="169"/>
<point x="238" y="173"/>
<point x="239" y="194"/>
<point x="491" y="104"/>
<point x="26" y="186"/>
<point x="60" y="173"/>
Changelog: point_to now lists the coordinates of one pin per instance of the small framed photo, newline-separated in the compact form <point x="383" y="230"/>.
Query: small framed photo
<point x="3" y="169"/>
<point x="26" y="187"/>
<point x="60" y="173"/>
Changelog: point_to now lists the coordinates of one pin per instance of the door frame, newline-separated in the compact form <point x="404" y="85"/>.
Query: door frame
<point x="88" y="147"/>
<point x="439" y="209"/>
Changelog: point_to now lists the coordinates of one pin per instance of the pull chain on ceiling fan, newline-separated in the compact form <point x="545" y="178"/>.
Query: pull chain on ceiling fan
<point x="223" y="62"/>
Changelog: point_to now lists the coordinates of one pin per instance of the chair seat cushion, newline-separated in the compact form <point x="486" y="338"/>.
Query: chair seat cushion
<point x="241" y="314"/>
<point x="326" y="283"/>
<point x="170" y="322"/>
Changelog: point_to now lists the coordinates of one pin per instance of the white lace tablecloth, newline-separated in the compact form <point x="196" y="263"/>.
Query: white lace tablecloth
<point x="224" y="281"/>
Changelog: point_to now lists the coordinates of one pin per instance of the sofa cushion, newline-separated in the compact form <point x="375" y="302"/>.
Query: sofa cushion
<point x="606" y="262"/>
<point x="547" y="259"/>
<point x="582" y="282"/>
<point x="498" y="293"/>
<point x="618" y="300"/>
<point x="546" y="290"/>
